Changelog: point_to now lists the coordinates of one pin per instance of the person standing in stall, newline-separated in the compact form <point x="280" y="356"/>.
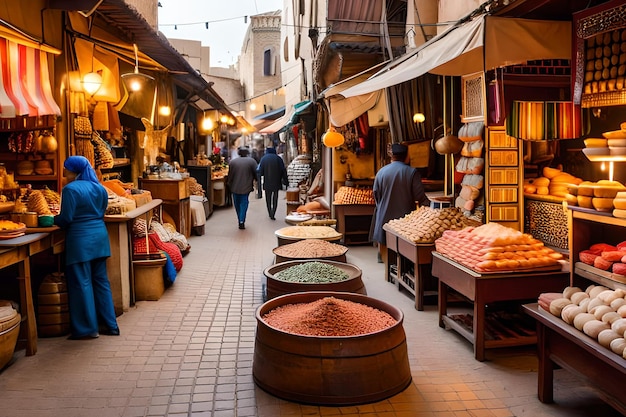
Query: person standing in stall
<point x="398" y="190"/>
<point x="272" y="170"/>
<point x="241" y="176"/>
<point x="83" y="204"/>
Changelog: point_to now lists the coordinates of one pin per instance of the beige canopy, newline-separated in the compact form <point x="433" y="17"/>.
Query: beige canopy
<point x="481" y="44"/>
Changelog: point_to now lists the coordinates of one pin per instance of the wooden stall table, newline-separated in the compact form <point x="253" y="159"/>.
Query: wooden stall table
<point x="402" y="253"/>
<point x="484" y="288"/>
<point x="354" y="221"/>
<point x="559" y="343"/>
<point x="18" y="251"/>
<point x="119" y="264"/>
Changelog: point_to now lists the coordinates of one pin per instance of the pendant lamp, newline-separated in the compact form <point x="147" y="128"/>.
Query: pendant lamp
<point x="134" y="81"/>
<point x="332" y="138"/>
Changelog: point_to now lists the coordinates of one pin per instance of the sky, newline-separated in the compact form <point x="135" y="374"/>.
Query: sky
<point x="186" y="19"/>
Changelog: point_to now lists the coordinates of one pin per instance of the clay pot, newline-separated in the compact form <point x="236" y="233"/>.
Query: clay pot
<point x="331" y="370"/>
<point x="276" y="287"/>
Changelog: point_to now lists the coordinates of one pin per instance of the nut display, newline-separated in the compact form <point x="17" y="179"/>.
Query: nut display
<point x="352" y="195"/>
<point x="426" y="224"/>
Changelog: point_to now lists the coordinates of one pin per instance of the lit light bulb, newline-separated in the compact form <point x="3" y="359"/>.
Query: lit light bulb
<point x="207" y="124"/>
<point x="165" y="110"/>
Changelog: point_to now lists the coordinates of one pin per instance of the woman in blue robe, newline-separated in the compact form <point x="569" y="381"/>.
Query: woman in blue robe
<point x="83" y="204"/>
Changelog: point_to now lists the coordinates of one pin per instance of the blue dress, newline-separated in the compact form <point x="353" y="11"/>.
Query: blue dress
<point x="83" y="204"/>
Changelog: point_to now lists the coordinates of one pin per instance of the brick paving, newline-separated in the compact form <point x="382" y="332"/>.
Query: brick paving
<point x="190" y="353"/>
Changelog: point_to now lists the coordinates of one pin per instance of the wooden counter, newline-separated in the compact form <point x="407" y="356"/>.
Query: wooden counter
<point x="559" y="344"/>
<point x="482" y="289"/>
<point x="18" y="251"/>
<point x="404" y="256"/>
<point x="175" y="199"/>
<point x="119" y="264"/>
<point x="354" y="222"/>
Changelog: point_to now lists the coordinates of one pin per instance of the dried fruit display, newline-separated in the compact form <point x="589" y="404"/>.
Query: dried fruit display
<point x="426" y="224"/>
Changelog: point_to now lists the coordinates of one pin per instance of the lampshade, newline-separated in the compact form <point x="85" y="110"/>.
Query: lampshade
<point x="92" y="82"/>
<point x="134" y="81"/>
<point x="545" y="120"/>
<point x="332" y="138"/>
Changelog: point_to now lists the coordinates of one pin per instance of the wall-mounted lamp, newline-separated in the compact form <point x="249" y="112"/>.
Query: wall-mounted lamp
<point x="134" y="81"/>
<point x="332" y="138"/>
<point x="207" y="124"/>
<point x="419" y="118"/>
<point x="165" y="111"/>
<point x="92" y="81"/>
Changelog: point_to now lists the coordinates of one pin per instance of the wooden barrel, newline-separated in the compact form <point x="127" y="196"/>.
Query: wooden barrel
<point x="331" y="370"/>
<point x="276" y="287"/>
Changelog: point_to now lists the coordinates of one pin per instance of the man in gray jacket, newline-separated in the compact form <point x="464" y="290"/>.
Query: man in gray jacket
<point x="398" y="189"/>
<point x="241" y="176"/>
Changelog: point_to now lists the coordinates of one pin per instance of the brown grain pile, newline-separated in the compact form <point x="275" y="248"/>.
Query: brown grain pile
<point x="310" y="248"/>
<point x="329" y="316"/>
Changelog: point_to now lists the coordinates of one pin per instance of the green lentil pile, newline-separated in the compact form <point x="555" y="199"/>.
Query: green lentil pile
<point x="312" y="272"/>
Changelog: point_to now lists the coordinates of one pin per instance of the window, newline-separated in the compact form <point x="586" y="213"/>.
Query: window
<point x="269" y="62"/>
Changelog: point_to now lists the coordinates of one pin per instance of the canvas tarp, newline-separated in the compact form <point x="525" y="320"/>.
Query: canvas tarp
<point x="481" y="44"/>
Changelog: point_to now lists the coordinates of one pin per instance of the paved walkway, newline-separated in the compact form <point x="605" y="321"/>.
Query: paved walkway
<point x="190" y="353"/>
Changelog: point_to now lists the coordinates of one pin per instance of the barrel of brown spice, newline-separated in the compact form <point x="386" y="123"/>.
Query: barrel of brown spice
<point x="331" y="370"/>
<point x="310" y="249"/>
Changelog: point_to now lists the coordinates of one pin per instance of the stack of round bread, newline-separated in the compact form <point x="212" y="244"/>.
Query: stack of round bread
<point x="493" y="247"/>
<point x="616" y="140"/>
<point x="598" y="311"/>
<point x="596" y="147"/>
<point x="554" y="182"/>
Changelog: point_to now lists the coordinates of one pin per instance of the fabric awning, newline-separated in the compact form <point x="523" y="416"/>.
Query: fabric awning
<point x="278" y="125"/>
<point x="271" y="115"/>
<point x="481" y="44"/>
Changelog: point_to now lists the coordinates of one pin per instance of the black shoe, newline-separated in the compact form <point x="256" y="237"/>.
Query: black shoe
<point x="111" y="332"/>
<point x="272" y="217"/>
<point x="84" y="337"/>
<point x="242" y="225"/>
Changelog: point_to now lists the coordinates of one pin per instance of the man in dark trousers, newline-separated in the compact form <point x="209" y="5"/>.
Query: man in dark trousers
<point x="241" y="176"/>
<point x="398" y="189"/>
<point x="272" y="170"/>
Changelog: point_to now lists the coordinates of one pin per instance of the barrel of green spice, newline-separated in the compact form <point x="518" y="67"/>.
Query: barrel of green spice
<point x="322" y="275"/>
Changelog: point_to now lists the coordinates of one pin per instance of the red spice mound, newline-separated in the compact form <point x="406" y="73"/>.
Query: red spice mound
<point x="329" y="316"/>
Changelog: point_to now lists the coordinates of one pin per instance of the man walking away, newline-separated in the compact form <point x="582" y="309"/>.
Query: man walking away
<point x="272" y="170"/>
<point x="241" y="176"/>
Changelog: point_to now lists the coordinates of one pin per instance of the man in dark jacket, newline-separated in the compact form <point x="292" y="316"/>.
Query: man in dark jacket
<point x="398" y="190"/>
<point x="272" y="170"/>
<point x="241" y="176"/>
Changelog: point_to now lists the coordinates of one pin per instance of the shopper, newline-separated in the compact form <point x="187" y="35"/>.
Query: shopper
<point x="83" y="204"/>
<point x="398" y="189"/>
<point x="272" y="170"/>
<point x="241" y="176"/>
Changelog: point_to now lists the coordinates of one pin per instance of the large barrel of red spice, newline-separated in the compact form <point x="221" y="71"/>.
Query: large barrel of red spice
<point x="276" y="287"/>
<point x="331" y="370"/>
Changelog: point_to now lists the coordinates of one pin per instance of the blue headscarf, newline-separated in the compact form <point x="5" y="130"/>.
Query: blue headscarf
<point x="82" y="168"/>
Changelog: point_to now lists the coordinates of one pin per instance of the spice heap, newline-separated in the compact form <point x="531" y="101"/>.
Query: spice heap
<point x="308" y="232"/>
<point x="329" y="316"/>
<point x="312" y="272"/>
<point x="310" y="248"/>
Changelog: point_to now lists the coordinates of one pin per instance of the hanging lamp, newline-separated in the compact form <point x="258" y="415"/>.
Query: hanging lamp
<point x="332" y="138"/>
<point x="134" y="81"/>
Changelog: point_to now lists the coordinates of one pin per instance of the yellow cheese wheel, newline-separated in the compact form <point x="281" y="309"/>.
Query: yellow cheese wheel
<point x="602" y="204"/>
<point x="605" y="191"/>
<point x="572" y="200"/>
<point x="585" y="190"/>
<point x="541" y="182"/>
<point x="619" y="213"/>
<point x="585" y="201"/>
<point x="595" y="143"/>
<point x="619" y="203"/>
